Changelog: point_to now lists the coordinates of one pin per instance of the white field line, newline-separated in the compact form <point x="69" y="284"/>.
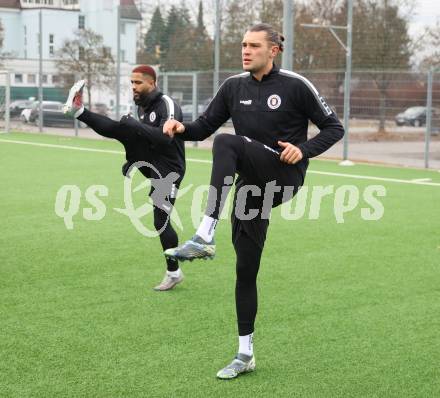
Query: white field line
<point x="421" y="181"/>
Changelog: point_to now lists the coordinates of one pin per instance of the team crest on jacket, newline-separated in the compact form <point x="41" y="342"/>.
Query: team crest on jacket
<point x="274" y="101"/>
<point x="152" y="116"/>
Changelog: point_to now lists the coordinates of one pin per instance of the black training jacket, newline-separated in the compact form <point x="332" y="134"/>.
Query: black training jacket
<point x="165" y="153"/>
<point x="277" y="108"/>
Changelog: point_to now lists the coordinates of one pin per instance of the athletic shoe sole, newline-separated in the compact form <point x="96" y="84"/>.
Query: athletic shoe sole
<point x="76" y="88"/>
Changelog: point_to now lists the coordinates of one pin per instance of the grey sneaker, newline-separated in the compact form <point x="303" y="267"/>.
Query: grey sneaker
<point x="74" y="105"/>
<point x="241" y="364"/>
<point x="196" y="247"/>
<point x="169" y="282"/>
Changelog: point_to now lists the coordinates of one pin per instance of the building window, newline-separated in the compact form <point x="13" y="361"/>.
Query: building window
<point x="51" y="47"/>
<point x="81" y="22"/>
<point x="81" y="53"/>
<point x="122" y="28"/>
<point x="123" y="56"/>
<point x="44" y="79"/>
<point x="55" y="79"/>
<point x="18" y="78"/>
<point x="31" y="78"/>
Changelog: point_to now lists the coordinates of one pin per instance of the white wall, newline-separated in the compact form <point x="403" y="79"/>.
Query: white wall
<point x="12" y="31"/>
<point x="100" y="16"/>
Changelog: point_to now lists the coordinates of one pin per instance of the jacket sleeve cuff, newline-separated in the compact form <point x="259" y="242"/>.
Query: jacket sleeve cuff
<point x="304" y="151"/>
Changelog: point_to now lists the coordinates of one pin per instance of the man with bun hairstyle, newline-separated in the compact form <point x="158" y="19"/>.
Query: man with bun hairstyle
<point x="270" y="109"/>
<point x="144" y="141"/>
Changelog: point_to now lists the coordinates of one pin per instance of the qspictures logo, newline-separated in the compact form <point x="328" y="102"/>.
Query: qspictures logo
<point x="310" y="202"/>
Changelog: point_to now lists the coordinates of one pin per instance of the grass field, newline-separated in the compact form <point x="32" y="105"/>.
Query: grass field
<point x="345" y="310"/>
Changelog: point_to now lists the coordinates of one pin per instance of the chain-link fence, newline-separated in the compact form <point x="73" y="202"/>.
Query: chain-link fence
<point x="388" y="111"/>
<point x="392" y="118"/>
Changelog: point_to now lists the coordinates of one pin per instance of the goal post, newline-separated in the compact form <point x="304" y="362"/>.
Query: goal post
<point x="5" y="101"/>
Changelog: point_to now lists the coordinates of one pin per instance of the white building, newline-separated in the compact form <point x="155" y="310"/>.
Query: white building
<point x="60" y="19"/>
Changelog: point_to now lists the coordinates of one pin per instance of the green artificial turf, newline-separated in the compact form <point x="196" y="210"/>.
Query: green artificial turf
<point x="345" y="309"/>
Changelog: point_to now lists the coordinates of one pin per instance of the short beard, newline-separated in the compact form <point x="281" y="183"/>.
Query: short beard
<point x="139" y="99"/>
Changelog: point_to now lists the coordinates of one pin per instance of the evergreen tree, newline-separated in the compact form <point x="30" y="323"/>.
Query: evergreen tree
<point x="155" y="36"/>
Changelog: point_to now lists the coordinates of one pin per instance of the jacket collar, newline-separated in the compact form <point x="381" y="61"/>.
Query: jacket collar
<point x="275" y="69"/>
<point x="150" y="99"/>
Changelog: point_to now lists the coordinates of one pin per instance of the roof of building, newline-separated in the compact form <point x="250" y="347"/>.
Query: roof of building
<point x="129" y="10"/>
<point x="10" y="4"/>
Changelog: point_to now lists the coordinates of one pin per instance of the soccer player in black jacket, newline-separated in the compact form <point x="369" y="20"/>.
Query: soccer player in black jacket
<point x="270" y="109"/>
<point x="144" y="141"/>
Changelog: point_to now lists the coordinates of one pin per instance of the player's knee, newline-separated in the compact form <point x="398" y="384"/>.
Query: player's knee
<point x="224" y="142"/>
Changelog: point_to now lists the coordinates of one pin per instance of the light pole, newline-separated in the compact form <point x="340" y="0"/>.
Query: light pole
<point x="288" y="23"/>
<point x="347" y="81"/>
<point x="428" y="130"/>
<point x="216" y="48"/>
<point x="40" y="71"/>
<point x="118" y="61"/>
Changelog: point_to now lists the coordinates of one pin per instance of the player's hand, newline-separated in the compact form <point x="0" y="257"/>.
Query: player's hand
<point x="172" y="127"/>
<point x="291" y="154"/>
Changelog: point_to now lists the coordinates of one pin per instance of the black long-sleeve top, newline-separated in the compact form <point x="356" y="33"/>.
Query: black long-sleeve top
<point x="277" y="108"/>
<point x="167" y="154"/>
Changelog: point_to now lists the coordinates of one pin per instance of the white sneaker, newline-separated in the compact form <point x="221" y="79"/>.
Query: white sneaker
<point x="240" y="364"/>
<point x="169" y="282"/>
<point x="74" y="105"/>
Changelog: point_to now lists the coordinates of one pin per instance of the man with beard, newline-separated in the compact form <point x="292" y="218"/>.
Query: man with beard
<point x="144" y="141"/>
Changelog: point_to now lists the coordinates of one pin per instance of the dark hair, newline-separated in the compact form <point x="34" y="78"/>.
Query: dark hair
<point x="145" y="70"/>
<point x="272" y="35"/>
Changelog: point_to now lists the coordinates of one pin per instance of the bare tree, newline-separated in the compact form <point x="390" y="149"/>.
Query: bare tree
<point x="431" y="47"/>
<point x="381" y="44"/>
<point x="85" y="56"/>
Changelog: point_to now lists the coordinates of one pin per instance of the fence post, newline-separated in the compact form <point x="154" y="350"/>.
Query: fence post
<point x="75" y="120"/>
<point x="195" y="100"/>
<point x="165" y="83"/>
<point x="428" y="116"/>
<point x="7" y="101"/>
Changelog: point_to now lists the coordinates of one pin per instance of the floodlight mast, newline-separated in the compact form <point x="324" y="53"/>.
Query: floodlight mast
<point x="348" y="57"/>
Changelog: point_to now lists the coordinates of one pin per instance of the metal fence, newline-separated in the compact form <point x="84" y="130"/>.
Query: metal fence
<point x="391" y="120"/>
<point x="394" y="116"/>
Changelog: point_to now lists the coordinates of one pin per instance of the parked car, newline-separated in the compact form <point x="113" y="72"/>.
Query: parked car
<point x="52" y="114"/>
<point x="124" y="109"/>
<point x="16" y="107"/>
<point x="100" y="108"/>
<point x="414" y="116"/>
<point x="187" y="111"/>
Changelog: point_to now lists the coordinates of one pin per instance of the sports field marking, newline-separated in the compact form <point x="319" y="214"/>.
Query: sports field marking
<point x="421" y="179"/>
<point x="355" y="176"/>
